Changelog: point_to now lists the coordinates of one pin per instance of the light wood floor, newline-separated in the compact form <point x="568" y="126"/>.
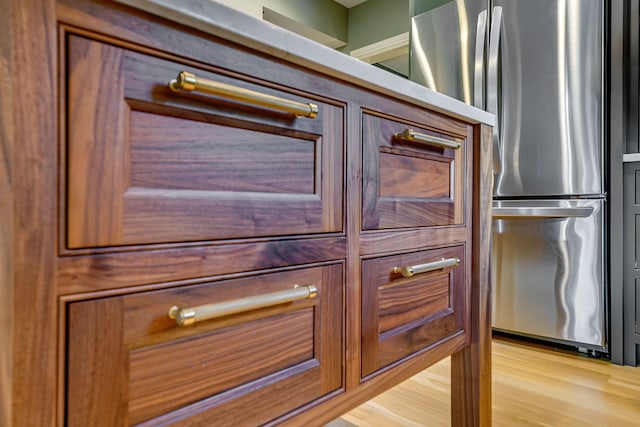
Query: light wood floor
<point x="532" y="386"/>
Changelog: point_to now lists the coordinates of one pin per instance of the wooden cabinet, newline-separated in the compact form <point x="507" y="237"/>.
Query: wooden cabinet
<point x="416" y="177"/>
<point x="286" y="238"/>
<point x="129" y="363"/>
<point x="149" y="165"/>
<point x="410" y="302"/>
<point x="413" y="173"/>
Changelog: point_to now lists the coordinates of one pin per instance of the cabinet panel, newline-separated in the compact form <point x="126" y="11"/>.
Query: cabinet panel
<point x="178" y="153"/>
<point x="402" y="315"/>
<point x="408" y="182"/>
<point x="160" y="380"/>
<point x="631" y="262"/>
<point x="127" y="349"/>
<point x="637" y="307"/>
<point x="405" y="176"/>
<point x="147" y="165"/>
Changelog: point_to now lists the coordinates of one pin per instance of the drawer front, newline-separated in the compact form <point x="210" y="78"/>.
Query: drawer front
<point x="411" y="180"/>
<point x="149" y="165"/>
<point x="402" y="315"/>
<point x="130" y="364"/>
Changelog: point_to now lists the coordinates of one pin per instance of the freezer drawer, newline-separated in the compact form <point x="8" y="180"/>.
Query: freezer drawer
<point x="547" y="265"/>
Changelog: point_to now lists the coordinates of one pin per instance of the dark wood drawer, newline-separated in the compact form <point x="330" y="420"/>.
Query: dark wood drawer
<point x="411" y="179"/>
<point x="129" y="363"/>
<point x="149" y="165"/>
<point x="402" y="315"/>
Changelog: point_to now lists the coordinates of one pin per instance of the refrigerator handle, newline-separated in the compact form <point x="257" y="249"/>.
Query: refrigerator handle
<point x="492" y="83"/>
<point x="478" y="66"/>
<point x="537" y="212"/>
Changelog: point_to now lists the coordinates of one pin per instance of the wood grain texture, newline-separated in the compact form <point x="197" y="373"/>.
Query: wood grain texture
<point x="115" y="270"/>
<point x="408" y="184"/>
<point x="163" y="368"/>
<point x="168" y="376"/>
<point x="180" y="154"/>
<point x="387" y="241"/>
<point x="532" y="385"/>
<point x="353" y="191"/>
<point x="404" y="176"/>
<point x="204" y="169"/>
<point x="113" y="287"/>
<point x="419" y="299"/>
<point x="96" y="361"/>
<point x="239" y="407"/>
<point x="471" y="367"/>
<point x="403" y="315"/>
<point x="6" y="213"/>
<point x="97" y="166"/>
<point x="29" y="165"/>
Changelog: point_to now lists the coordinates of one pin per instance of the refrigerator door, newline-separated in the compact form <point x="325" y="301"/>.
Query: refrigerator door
<point x="448" y="48"/>
<point x="547" y="270"/>
<point x="551" y="90"/>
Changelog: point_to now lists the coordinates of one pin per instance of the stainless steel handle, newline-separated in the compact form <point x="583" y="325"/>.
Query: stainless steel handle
<point x="422" y="138"/>
<point x="492" y="83"/>
<point x="190" y="82"/>
<point x="411" y="270"/>
<point x="478" y="66"/>
<point x="188" y="316"/>
<point x="536" y="212"/>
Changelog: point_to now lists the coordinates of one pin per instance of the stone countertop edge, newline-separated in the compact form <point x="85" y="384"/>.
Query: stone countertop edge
<point x="230" y="24"/>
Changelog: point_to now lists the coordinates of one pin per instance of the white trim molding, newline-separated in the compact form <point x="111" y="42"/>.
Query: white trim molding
<point x="385" y="49"/>
<point x="283" y="21"/>
<point x="350" y="3"/>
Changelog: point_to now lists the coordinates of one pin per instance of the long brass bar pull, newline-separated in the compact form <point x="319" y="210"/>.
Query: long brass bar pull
<point x="422" y="138"/>
<point x="190" y="82"/>
<point x="411" y="270"/>
<point x="188" y="316"/>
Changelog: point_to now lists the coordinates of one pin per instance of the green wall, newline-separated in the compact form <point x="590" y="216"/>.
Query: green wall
<point x="376" y="20"/>
<point x="362" y="25"/>
<point x="325" y="16"/>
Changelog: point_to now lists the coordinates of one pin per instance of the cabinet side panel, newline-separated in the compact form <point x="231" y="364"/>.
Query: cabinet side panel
<point x="6" y="220"/>
<point x="32" y="173"/>
<point x="471" y="367"/>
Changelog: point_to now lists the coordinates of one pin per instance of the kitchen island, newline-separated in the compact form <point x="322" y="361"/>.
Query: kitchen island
<point x="208" y="220"/>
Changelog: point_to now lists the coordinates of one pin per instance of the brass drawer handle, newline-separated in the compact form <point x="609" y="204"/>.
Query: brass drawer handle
<point x="411" y="270"/>
<point x="188" y="316"/>
<point x="412" y="135"/>
<point x="190" y="82"/>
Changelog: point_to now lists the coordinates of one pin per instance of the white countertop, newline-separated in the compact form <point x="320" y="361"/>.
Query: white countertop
<point x="229" y="24"/>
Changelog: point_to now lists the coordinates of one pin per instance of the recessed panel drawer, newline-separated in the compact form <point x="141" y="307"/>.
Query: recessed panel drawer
<point x="410" y="302"/>
<point x="412" y="176"/>
<point x="147" y="164"/>
<point x="269" y="348"/>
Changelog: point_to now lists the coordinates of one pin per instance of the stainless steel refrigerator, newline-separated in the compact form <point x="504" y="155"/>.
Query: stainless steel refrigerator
<point x="539" y="66"/>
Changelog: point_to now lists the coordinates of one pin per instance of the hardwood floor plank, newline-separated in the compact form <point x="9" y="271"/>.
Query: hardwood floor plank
<point x="533" y="385"/>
